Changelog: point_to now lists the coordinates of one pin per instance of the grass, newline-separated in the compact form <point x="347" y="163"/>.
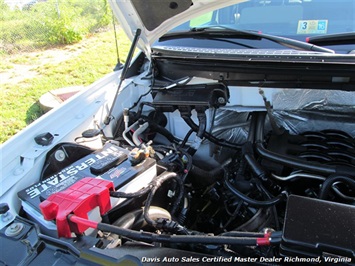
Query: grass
<point x="91" y="59"/>
<point x="24" y="59"/>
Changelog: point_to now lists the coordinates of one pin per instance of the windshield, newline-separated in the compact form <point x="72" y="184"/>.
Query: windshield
<point x="283" y="17"/>
<point x="296" y="19"/>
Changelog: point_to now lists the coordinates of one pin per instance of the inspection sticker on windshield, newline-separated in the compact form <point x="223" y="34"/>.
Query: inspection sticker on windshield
<point x="312" y="26"/>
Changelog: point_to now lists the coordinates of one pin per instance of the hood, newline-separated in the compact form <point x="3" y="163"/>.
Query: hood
<point x="156" y="17"/>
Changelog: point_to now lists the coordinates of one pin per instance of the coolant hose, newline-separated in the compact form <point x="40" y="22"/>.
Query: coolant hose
<point x="253" y="202"/>
<point x="294" y="162"/>
<point x="327" y="184"/>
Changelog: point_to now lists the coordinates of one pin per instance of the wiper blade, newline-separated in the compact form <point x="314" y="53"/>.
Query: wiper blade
<point x="333" y="39"/>
<point x="220" y="30"/>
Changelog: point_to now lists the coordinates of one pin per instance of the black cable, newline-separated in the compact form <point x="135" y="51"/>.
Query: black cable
<point x="233" y="216"/>
<point x="202" y="120"/>
<point x="273" y="208"/>
<point x="324" y="192"/>
<point x="183" y="143"/>
<point x="139" y="99"/>
<point x="140" y="108"/>
<point x="157" y="184"/>
<point x="119" y="194"/>
<point x="253" y="202"/>
<point x="188" y="164"/>
<point x="189" y="239"/>
<point x="209" y="136"/>
<point x="242" y="234"/>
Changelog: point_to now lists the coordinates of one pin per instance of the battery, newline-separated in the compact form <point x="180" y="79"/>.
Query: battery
<point x="125" y="177"/>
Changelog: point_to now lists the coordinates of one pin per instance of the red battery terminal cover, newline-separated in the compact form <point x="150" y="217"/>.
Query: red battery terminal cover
<point x="79" y="199"/>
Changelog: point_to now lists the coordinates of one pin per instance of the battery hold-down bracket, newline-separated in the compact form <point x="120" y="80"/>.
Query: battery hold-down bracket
<point x="79" y="199"/>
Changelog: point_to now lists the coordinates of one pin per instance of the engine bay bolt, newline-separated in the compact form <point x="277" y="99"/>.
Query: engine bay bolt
<point x="59" y="155"/>
<point x="221" y="100"/>
<point x="14" y="229"/>
<point x="6" y="216"/>
<point x="4" y="208"/>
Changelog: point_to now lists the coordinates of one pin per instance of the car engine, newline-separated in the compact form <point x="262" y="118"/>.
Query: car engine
<point x="188" y="177"/>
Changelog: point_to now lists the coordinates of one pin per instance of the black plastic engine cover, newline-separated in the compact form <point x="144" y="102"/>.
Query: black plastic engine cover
<point x="316" y="227"/>
<point x="193" y="96"/>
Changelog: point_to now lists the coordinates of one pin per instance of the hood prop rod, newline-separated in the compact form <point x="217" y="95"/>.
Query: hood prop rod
<point x="109" y="116"/>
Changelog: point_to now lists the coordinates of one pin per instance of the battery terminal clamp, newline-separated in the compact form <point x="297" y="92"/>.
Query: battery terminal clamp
<point x="79" y="199"/>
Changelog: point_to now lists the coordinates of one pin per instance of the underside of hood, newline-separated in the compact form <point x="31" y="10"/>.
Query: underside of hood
<point x="156" y="17"/>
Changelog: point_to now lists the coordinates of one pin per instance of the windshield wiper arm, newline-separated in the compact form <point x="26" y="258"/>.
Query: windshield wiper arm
<point x="333" y="39"/>
<point x="232" y="32"/>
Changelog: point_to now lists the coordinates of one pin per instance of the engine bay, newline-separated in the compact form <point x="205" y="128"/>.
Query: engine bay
<point x="187" y="174"/>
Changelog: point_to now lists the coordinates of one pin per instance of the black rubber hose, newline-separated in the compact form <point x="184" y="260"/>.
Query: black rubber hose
<point x="157" y="184"/>
<point x="202" y="124"/>
<point x="190" y="239"/>
<point x="253" y="202"/>
<point x="140" y="108"/>
<point x="324" y="192"/>
<point x="256" y="168"/>
<point x="249" y="152"/>
<point x="155" y="127"/>
<point x="293" y="161"/>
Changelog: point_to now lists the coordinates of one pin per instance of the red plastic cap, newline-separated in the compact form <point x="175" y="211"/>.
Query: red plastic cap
<point x="265" y="241"/>
<point x="79" y="199"/>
